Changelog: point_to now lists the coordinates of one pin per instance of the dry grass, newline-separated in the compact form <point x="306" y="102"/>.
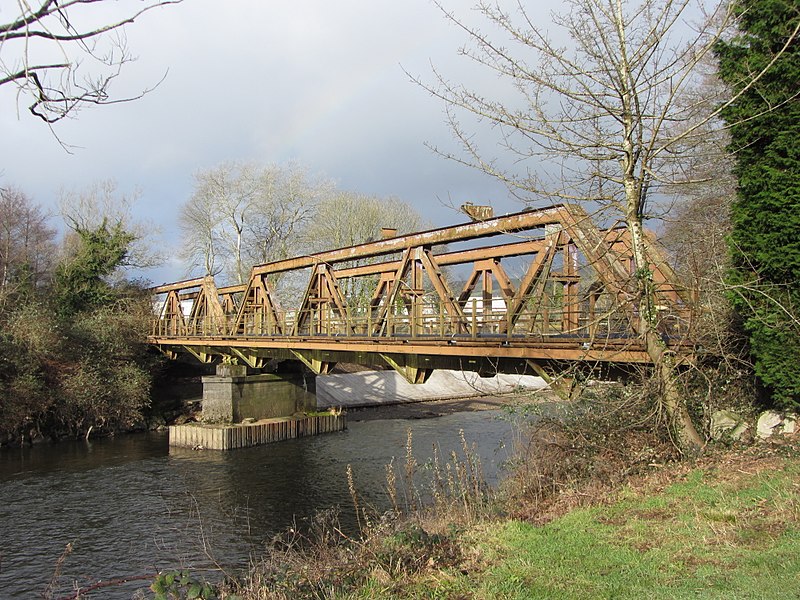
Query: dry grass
<point x="576" y="458"/>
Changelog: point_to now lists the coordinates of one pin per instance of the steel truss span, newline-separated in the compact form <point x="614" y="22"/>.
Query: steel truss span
<point x="520" y="291"/>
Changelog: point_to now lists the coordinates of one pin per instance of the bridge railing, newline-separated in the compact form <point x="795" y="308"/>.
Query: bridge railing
<point x="432" y="322"/>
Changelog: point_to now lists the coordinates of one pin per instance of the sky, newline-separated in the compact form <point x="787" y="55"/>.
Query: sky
<point x="314" y="82"/>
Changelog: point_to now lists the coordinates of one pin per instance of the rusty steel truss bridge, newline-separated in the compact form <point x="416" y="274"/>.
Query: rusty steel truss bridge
<point x="535" y="290"/>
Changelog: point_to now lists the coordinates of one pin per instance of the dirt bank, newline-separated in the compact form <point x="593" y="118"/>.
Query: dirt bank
<point x="436" y="408"/>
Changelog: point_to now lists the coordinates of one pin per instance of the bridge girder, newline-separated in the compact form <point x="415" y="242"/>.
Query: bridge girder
<point x="574" y="301"/>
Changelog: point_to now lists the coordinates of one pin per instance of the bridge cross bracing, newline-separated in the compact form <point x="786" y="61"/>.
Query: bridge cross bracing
<point x="542" y="287"/>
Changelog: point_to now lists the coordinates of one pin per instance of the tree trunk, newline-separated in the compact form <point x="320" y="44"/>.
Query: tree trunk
<point x="689" y="441"/>
<point x="663" y="359"/>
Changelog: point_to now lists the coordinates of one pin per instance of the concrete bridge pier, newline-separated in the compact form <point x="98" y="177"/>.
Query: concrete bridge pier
<point x="231" y="395"/>
<point x="272" y="401"/>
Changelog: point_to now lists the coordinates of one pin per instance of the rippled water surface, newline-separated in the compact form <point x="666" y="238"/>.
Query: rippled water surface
<point x="131" y="506"/>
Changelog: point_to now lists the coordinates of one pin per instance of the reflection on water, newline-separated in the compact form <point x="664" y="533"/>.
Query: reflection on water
<point x="132" y="506"/>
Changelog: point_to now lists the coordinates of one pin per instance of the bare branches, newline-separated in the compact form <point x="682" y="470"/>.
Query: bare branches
<point x="597" y="106"/>
<point x="57" y="54"/>
<point x="88" y="208"/>
<point x="26" y="241"/>
<point x="241" y="214"/>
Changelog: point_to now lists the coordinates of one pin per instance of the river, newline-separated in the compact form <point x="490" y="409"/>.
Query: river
<point x="130" y="505"/>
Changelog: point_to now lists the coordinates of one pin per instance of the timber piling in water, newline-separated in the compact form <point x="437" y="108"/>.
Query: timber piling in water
<point x="203" y="436"/>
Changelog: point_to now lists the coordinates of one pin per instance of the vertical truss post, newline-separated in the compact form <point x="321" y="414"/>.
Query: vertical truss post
<point x="417" y="292"/>
<point x="536" y="273"/>
<point x="571" y="310"/>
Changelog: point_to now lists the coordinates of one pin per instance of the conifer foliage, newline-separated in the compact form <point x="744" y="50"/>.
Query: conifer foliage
<point x="764" y="121"/>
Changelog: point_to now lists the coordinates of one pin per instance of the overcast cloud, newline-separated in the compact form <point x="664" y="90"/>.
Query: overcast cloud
<point x="312" y="81"/>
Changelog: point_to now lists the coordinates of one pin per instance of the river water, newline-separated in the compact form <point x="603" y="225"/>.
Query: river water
<point x="130" y="505"/>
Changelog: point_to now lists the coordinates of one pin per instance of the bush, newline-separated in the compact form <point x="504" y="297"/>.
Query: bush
<point x="575" y="453"/>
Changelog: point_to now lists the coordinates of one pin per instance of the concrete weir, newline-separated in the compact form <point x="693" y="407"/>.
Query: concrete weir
<point x="206" y="436"/>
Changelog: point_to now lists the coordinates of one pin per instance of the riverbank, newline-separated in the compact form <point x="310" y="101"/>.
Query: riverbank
<point x="437" y="408"/>
<point x="725" y="526"/>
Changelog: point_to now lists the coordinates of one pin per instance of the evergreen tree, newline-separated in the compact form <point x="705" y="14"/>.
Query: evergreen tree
<point x="764" y="121"/>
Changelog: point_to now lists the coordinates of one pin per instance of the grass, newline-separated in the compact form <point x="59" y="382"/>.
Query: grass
<point x="729" y="529"/>
<point x="600" y="522"/>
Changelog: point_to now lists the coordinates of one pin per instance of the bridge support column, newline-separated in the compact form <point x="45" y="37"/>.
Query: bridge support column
<point x="232" y="395"/>
<point x="563" y="386"/>
<point x="412" y="368"/>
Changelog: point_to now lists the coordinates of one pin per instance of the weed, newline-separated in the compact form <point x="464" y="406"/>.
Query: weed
<point x="420" y="535"/>
<point x="181" y="585"/>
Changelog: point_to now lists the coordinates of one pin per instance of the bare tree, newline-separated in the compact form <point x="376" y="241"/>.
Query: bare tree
<point x="62" y="56"/>
<point x="228" y="192"/>
<point x="596" y="119"/>
<point x="284" y="207"/>
<point x="199" y="222"/>
<point x="101" y="202"/>
<point x="26" y="241"/>
<point x="242" y="214"/>
<point x="347" y="219"/>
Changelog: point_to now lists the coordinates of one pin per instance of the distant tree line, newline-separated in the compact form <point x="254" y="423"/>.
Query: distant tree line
<point x="245" y="214"/>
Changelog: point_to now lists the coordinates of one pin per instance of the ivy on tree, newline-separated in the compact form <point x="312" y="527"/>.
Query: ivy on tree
<point x="82" y="281"/>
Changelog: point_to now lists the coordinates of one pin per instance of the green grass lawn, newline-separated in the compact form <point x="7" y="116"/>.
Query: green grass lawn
<point x="730" y="531"/>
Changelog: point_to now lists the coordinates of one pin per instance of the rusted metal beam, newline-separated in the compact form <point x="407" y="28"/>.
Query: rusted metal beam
<point x="451" y="258"/>
<point x="232" y="289"/>
<point x="622" y="351"/>
<point x="507" y="224"/>
<point x="178" y="285"/>
<point x="196" y="282"/>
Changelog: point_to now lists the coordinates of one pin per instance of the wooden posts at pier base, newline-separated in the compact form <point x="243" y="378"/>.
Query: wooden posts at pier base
<point x="203" y="436"/>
